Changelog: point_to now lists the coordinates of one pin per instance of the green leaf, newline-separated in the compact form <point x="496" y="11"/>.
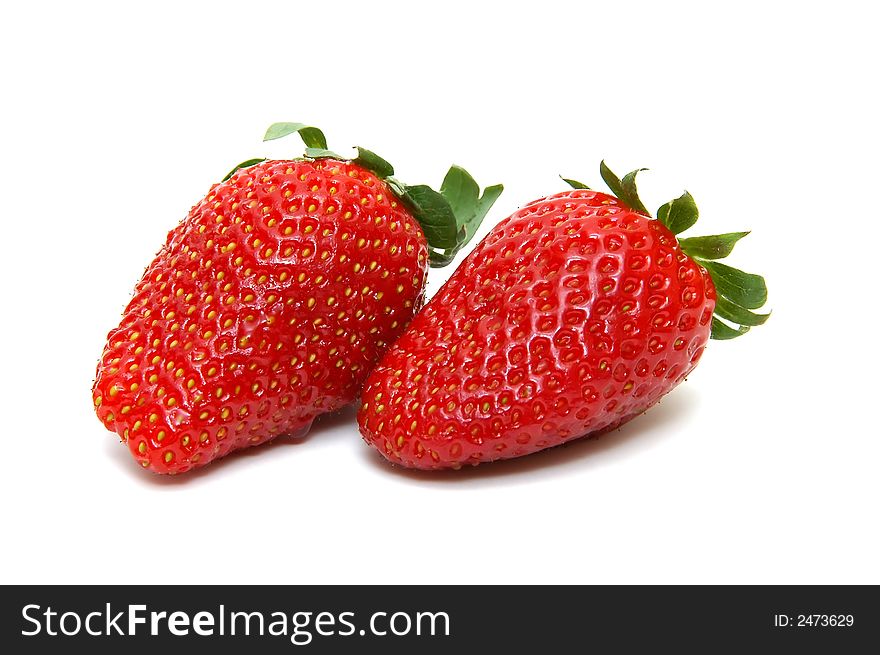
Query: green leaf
<point x="439" y="259"/>
<point x="611" y="180"/>
<point x="373" y="162"/>
<point x="468" y="226"/>
<point x="745" y="289"/>
<point x="716" y="246"/>
<point x="467" y="229"/>
<point x="624" y="189"/>
<point x="631" y="193"/>
<point x="434" y="214"/>
<point x="463" y="195"/>
<point x="451" y="217"/>
<point x="721" y="330"/>
<point x="245" y="164"/>
<point x="490" y="195"/>
<point x="735" y="314"/>
<point x="322" y="153"/>
<point x="311" y="136"/>
<point x="574" y="184"/>
<point x="461" y="192"/>
<point x="398" y="187"/>
<point x="679" y="214"/>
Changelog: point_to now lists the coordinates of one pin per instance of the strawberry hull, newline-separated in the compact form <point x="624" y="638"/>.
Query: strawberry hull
<point x="267" y="306"/>
<point x="572" y="316"/>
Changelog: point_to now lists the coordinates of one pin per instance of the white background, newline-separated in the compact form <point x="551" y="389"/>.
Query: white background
<point x="762" y="467"/>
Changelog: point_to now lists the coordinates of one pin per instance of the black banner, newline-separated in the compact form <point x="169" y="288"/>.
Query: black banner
<point x="340" y="619"/>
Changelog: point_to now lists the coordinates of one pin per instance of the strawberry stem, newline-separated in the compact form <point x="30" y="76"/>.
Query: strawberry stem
<point x="245" y="164"/>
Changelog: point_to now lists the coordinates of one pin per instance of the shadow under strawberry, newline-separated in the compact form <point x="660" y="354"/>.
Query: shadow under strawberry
<point x="577" y="454"/>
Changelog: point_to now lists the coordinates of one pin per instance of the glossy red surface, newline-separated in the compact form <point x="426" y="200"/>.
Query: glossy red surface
<point x="572" y="316"/>
<point x="267" y="306"/>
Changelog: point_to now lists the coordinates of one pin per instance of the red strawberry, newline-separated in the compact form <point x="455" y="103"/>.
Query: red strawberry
<point x="272" y="300"/>
<point x="573" y="315"/>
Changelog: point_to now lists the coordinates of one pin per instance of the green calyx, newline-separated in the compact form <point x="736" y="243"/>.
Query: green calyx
<point x="449" y="218"/>
<point x="738" y="292"/>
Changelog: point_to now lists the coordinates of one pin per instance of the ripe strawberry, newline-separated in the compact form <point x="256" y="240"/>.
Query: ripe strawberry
<point x="273" y="299"/>
<point x="574" y="315"/>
